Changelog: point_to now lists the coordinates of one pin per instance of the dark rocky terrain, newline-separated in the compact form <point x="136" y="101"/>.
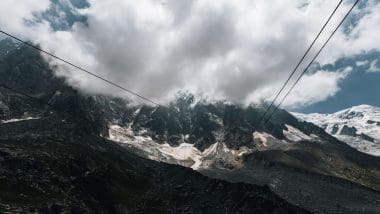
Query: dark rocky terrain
<point x="53" y="159"/>
<point x="66" y="149"/>
<point x="52" y="171"/>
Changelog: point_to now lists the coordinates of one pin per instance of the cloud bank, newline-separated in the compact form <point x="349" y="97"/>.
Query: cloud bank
<point x="240" y="51"/>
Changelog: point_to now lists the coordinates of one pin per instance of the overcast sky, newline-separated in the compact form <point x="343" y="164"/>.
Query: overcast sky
<point x="240" y="51"/>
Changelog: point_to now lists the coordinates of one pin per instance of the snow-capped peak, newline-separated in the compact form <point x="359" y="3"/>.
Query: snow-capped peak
<point x="359" y="126"/>
<point x="361" y="112"/>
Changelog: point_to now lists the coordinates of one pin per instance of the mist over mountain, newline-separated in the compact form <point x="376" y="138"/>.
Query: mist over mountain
<point x="54" y="159"/>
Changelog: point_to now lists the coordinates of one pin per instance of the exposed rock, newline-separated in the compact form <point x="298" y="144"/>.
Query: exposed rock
<point x="371" y="122"/>
<point x="366" y="137"/>
<point x="350" y="131"/>
<point x="335" y="129"/>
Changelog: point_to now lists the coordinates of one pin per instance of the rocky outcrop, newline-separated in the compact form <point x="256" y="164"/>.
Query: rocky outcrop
<point x="350" y="131"/>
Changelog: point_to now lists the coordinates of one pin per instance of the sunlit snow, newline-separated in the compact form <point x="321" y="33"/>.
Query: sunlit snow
<point x="294" y="134"/>
<point x="184" y="154"/>
<point x="365" y="119"/>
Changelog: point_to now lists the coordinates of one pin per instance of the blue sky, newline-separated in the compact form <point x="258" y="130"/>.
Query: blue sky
<point x="359" y="87"/>
<point x="70" y="17"/>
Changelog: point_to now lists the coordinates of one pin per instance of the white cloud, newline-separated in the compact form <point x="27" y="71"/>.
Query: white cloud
<point x="241" y="51"/>
<point x="312" y="87"/>
<point x="362" y="63"/>
<point x="373" y="66"/>
<point x="363" y="37"/>
<point x="14" y="14"/>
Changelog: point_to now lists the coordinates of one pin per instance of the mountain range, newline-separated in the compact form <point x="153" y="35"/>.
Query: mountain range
<point x="62" y="150"/>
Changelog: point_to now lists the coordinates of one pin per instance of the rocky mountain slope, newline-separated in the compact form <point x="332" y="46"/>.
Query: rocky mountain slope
<point x="294" y="159"/>
<point x="51" y="166"/>
<point x="298" y="160"/>
<point x="358" y="126"/>
<point x="54" y="160"/>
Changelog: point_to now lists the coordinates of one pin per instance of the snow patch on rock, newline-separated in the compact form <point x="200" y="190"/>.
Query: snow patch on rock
<point x="294" y="134"/>
<point x="185" y="154"/>
<point x="18" y="119"/>
<point x="261" y="138"/>
<point x="264" y="141"/>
